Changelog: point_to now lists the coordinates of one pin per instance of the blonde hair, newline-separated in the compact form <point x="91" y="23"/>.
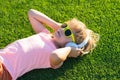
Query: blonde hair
<point x="81" y="31"/>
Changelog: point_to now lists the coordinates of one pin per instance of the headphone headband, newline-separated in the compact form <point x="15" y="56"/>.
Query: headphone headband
<point x="84" y="42"/>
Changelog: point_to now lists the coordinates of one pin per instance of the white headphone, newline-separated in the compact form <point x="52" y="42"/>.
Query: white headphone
<point x="72" y="44"/>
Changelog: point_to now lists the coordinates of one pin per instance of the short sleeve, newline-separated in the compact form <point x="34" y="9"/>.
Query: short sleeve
<point x="45" y="31"/>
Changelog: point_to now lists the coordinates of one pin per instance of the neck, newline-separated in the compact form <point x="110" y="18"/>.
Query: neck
<point x="55" y="43"/>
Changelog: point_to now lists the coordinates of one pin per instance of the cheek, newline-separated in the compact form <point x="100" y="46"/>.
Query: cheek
<point x="62" y="40"/>
<point x="66" y="39"/>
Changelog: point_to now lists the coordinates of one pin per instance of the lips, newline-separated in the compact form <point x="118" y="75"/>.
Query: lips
<point x="57" y="34"/>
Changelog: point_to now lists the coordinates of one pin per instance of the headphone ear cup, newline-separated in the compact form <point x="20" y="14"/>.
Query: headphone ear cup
<point x="71" y="44"/>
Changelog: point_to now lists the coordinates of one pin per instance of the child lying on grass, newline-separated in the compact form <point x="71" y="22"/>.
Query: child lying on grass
<point x="45" y="50"/>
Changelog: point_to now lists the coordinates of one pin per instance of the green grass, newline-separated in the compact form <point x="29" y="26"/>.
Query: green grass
<point x="102" y="16"/>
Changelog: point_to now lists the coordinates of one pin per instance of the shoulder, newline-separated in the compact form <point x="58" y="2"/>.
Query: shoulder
<point x="45" y="31"/>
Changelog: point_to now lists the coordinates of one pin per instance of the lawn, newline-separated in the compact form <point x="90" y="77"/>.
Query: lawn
<point x="102" y="16"/>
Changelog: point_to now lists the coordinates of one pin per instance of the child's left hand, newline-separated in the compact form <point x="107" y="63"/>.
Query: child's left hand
<point x="74" y="52"/>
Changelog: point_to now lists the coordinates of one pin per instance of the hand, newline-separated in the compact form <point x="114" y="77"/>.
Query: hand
<point x="74" y="52"/>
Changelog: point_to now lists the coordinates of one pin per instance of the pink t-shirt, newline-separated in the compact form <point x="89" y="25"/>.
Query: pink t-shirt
<point x="27" y="54"/>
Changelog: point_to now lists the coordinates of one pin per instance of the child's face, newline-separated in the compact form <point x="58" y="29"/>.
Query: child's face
<point x="60" y="38"/>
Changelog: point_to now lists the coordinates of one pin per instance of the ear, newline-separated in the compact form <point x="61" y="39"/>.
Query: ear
<point x="71" y="44"/>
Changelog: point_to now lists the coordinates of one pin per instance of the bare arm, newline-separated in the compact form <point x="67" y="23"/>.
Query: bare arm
<point x="37" y="20"/>
<point x="60" y="55"/>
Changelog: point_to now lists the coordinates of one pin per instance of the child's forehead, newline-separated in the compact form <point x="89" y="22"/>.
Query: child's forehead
<point x="76" y="25"/>
<point x="75" y="28"/>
